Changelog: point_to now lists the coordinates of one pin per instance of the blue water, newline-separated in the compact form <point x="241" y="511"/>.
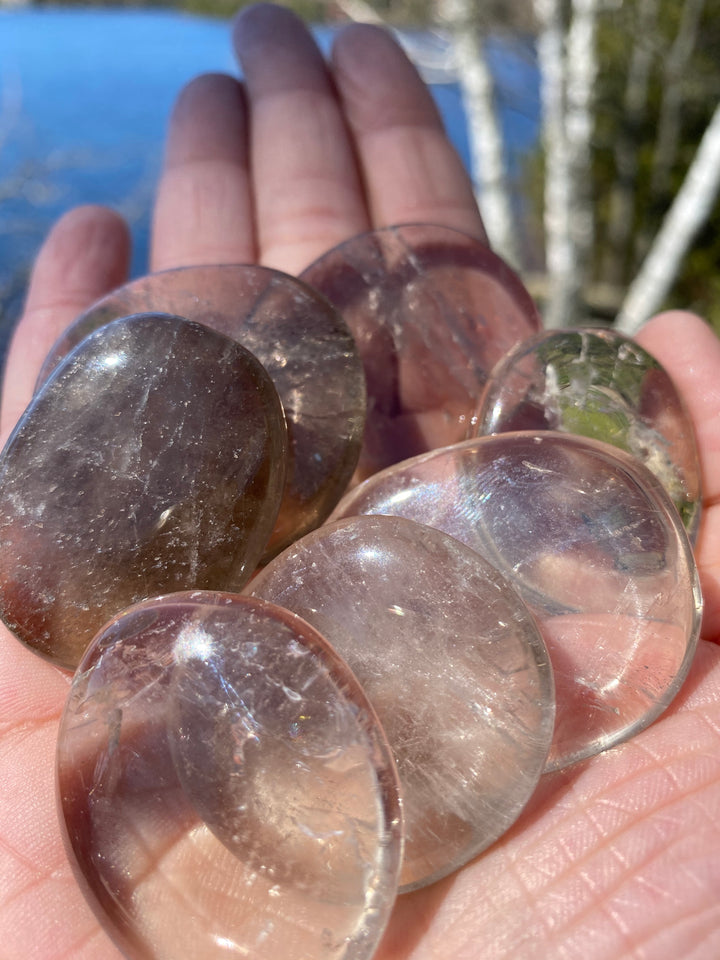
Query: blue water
<point x="90" y="92"/>
<point x="95" y="91"/>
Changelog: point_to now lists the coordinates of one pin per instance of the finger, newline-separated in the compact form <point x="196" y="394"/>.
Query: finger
<point x="411" y="171"/>
<point x="85" y="255"/>
<point x="308" y="194"/>
<point x="203" y="211"/>
<point x="690" y="352"/>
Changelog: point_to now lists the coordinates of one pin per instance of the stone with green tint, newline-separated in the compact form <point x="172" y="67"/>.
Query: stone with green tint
<point x="596" y="383"/>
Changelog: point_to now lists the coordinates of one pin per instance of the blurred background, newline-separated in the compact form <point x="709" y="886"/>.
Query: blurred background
<point x="591" y="129"/>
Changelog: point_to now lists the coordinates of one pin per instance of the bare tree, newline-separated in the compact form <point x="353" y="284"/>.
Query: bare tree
<point x="580" y="75"/>
<point x="567" y="59"/>
<point x="687" y="214"/>
<point x="487" y="147"/>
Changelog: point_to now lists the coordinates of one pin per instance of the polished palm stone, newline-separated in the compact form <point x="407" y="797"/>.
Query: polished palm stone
<point x="595" y="547"/>
<point x="225" y="789"/>
<point x="453" y="663"/>
<point x="432" y="311"/>
<point x="598" y="383"/>
<point x="152" y="460"/>
<point x="302" y="342"/>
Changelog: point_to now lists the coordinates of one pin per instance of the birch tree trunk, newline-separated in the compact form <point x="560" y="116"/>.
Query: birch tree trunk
<point x="568" y="68"/>
<point x="560" y="262"/>
<point x="581" y="75"/>
<point x="487" y="146"/>
<point x="688" y="213"/>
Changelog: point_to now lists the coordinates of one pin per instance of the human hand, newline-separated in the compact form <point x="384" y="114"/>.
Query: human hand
<point x="615" y="857"/>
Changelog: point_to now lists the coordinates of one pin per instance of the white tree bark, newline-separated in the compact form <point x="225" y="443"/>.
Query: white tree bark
<point x="487" y="147"/>
<point x="568" y="68"/>
<point x="689" y="211"/>
<point x="559" y="249"/>
<point x="581" y="75"/>
<point x="360" y="11"/>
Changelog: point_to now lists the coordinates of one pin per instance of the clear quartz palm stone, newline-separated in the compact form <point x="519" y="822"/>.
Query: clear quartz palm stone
<point x="595" y="547"/>
<point x="225" y="788"/>
<point x="598" y="383"/>
<point x="432" y="311"/>
<point x="152" y="460"/>
<point x="453" y="663"/>
<point x="302" y="342"/>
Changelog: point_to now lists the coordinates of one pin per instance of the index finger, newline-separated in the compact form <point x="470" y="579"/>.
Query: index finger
<point x="85" y="255"/>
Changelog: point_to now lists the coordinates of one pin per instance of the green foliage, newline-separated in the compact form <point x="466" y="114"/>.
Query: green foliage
<point x="396" y="12"/>
<point x="698" y="89"/>
<point x="313" y="11"/>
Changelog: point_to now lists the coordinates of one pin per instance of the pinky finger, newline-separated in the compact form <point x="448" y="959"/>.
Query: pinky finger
<point x="85" y="255"/>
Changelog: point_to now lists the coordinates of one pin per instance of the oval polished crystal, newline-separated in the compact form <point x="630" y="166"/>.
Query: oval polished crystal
<point x="225" y="788"/>
<point x="599" y="384"/>
<point x="432" y="311"/>
<point x="302" y="342"/>
<point x="595" y="547"/>
<point x="152" y="460"/>
<point x="453" y="663"/>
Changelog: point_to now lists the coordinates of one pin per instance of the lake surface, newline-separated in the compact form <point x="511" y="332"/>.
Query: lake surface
<point x="84" y="101"/>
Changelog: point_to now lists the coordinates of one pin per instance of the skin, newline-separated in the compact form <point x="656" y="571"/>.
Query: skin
<point x="617" y="857"/>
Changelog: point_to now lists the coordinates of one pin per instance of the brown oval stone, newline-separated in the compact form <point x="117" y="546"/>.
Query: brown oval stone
<point x="302" y="342"/>
<point x="152" y="460"/>
<point x="432" y="311"/>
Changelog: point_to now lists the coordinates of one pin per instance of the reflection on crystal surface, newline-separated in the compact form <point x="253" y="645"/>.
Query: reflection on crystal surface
<point x="152" y="460"/>
<point x="302" y="342"/>
<point x="453" y="663"/>
<point x="432" y="311"/>
<point x="599" y="384"/>
<point x="225" y="788"/>
<point x="596" y="549"/>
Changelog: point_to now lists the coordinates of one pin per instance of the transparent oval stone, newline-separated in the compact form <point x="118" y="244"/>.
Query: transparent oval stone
<point x="595" y="547"/>
<point x="599" y="384"/>
<point x="432" y="311"/>
<point x="453" y="663"/>
<point x="302" y="342"/>
<point x="152" y="460"/>
<point x="225" y="788"/>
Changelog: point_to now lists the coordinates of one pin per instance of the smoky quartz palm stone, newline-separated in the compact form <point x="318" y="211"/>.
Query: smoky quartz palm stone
<point x="151" y="460"/>
<point x="595" y="547"/>
<point x="598" y="383"/>
<point x="432" y="310"/>
<point x="225" y="788"/>
<point x="302" y="342"/>
<point x="453" y="663"/>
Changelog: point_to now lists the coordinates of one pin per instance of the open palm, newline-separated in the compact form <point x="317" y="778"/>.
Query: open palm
<point x="617" y="857"/>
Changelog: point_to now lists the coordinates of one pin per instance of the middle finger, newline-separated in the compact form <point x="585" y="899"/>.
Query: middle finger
<point x="308" y="193"/>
